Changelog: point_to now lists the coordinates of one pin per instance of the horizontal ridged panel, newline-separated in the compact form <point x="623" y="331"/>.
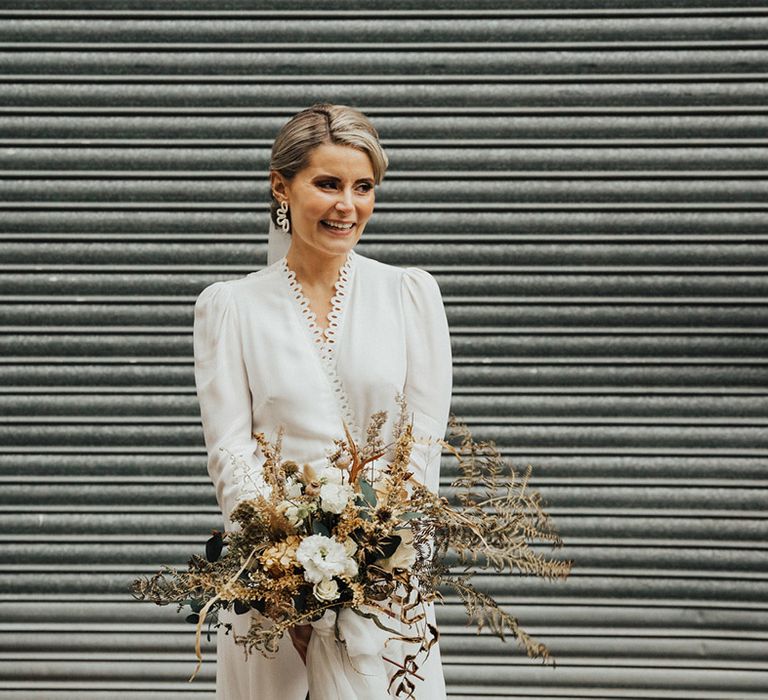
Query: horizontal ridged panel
<point x="587" y="182"/>
<point x="671" y="499"/>
<point x="545" y="347"/>
<point x="553" y="280"/>
<point x="302" y="8"/>
<point x="254" y="95"/>
<point x="591" y="587"/>
<point x="519" y="378"/>
<point x="18" y="191"/>
<point x="619" y="528"/>
<point x="379" y="60"/>
<point x="47" y="221"/>
<point x="384" y="31"/>
<point x="490" y="154"/>
<point x="723" y="563"/>
<point x="459" y="255"/>
<point x="555" y="316"/>
<point x="503" y="128"/>
<point x="492" y="408"/>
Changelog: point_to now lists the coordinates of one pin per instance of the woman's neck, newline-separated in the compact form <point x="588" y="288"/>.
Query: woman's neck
<point x="313" y="269"/>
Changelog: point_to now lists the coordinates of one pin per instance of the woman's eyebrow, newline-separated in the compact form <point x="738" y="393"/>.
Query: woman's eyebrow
<point x="333" y="177"/>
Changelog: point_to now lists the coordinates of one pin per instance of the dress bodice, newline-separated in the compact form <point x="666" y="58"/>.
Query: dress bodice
<point x="260" y="365"/>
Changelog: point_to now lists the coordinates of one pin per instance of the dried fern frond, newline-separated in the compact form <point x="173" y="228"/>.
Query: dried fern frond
<point x="485" y="612"/>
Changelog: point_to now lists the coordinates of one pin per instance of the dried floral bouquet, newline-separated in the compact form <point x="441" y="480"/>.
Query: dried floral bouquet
<point x="368" y="537"/>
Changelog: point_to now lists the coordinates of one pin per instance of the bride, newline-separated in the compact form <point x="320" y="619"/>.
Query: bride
<point x="320" y="335"/>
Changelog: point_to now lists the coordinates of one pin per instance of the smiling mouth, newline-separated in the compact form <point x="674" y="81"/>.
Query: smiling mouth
<point x="338" y="227"/>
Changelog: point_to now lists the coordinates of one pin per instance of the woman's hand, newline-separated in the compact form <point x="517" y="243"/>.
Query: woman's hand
<point x="300" y="635"/>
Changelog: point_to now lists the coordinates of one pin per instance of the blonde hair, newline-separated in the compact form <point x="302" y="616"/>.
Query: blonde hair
<point x="321" y="123"/>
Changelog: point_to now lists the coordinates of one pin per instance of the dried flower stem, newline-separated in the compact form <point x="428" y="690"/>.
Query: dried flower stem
<point x="207" y="607"/>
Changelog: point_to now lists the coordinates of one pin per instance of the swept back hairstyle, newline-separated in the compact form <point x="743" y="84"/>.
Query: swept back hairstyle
<point x="322" y="123"/>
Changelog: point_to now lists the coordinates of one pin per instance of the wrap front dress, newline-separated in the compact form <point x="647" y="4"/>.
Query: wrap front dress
<point x="262" y="362"/>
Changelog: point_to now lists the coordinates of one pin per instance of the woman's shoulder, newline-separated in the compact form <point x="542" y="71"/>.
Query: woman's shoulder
<point x="395" y="273"/>
<point x="250" y="286"/>
<point x="410" y="281"/>
<point x="372" y="268"/>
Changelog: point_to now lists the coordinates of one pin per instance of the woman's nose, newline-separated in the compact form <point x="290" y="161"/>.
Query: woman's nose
<point x="345" y="202"/>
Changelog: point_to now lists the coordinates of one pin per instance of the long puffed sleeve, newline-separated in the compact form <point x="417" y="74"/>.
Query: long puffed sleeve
<point x="223" y="392"/>
<point x="429" y="374"/>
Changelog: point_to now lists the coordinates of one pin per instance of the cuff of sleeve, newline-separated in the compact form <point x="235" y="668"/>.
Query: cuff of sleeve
<point x="426" y="452"/>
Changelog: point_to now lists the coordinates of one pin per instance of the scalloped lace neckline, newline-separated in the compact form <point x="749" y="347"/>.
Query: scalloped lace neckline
<point x="323" y="338"/>
<point x="325" y="341"/>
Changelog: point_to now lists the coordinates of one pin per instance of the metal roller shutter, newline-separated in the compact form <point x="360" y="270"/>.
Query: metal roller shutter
<point x="586" y="179"/>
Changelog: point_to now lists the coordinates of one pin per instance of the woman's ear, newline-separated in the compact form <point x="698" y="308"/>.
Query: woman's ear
<point x="277" y="184"/>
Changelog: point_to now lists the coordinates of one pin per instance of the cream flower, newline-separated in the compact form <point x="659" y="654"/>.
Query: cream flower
<point x="290" y="511"/>
<point x="292" y="489"/>
<point x="295" y="512"/>
<point x="331" y="475"/>
<point x="281" y="556"/>
<point x="327" y="590"/>
<point x="334" y="497"/>
<point x="323" y="557"/>
<point x="350" y="546"/>
<point x="350" y="570"/>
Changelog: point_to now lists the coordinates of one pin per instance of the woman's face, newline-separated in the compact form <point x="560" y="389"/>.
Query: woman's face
<point x="336" y="186"/>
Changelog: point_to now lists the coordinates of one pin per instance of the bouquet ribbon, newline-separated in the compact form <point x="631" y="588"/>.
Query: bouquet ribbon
<point x="350" y="669"/>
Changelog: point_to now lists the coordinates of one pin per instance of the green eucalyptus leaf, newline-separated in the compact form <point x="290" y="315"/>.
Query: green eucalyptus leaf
<point x="411" y="515"/>
<point x="362" y="504"/>
<point x="319" y="529"/>
<point x="368" y="493"/>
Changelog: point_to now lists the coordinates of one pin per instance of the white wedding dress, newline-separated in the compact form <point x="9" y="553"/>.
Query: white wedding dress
<point x="261" y="362"/>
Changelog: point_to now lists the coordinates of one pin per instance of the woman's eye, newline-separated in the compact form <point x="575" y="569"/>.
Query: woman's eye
<point x="327" y="183"/>
<point x="366" y="187"/>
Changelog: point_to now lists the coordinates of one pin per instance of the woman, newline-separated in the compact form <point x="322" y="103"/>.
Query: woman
<point x="322" y="334"/>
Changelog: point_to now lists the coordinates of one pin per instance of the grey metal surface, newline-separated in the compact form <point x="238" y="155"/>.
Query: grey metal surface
<point x="586" y="180"/>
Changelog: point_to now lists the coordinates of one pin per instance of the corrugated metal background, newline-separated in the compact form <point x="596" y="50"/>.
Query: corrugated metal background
<point x="587" y="180"/>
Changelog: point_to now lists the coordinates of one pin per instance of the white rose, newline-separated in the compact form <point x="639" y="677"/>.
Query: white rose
<point x="331" y="475"/>
<point x="327" y="589"/>
<point x="404" y="556"/>
<point x="334" y="497"/>
<point x="323" y="557"/>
